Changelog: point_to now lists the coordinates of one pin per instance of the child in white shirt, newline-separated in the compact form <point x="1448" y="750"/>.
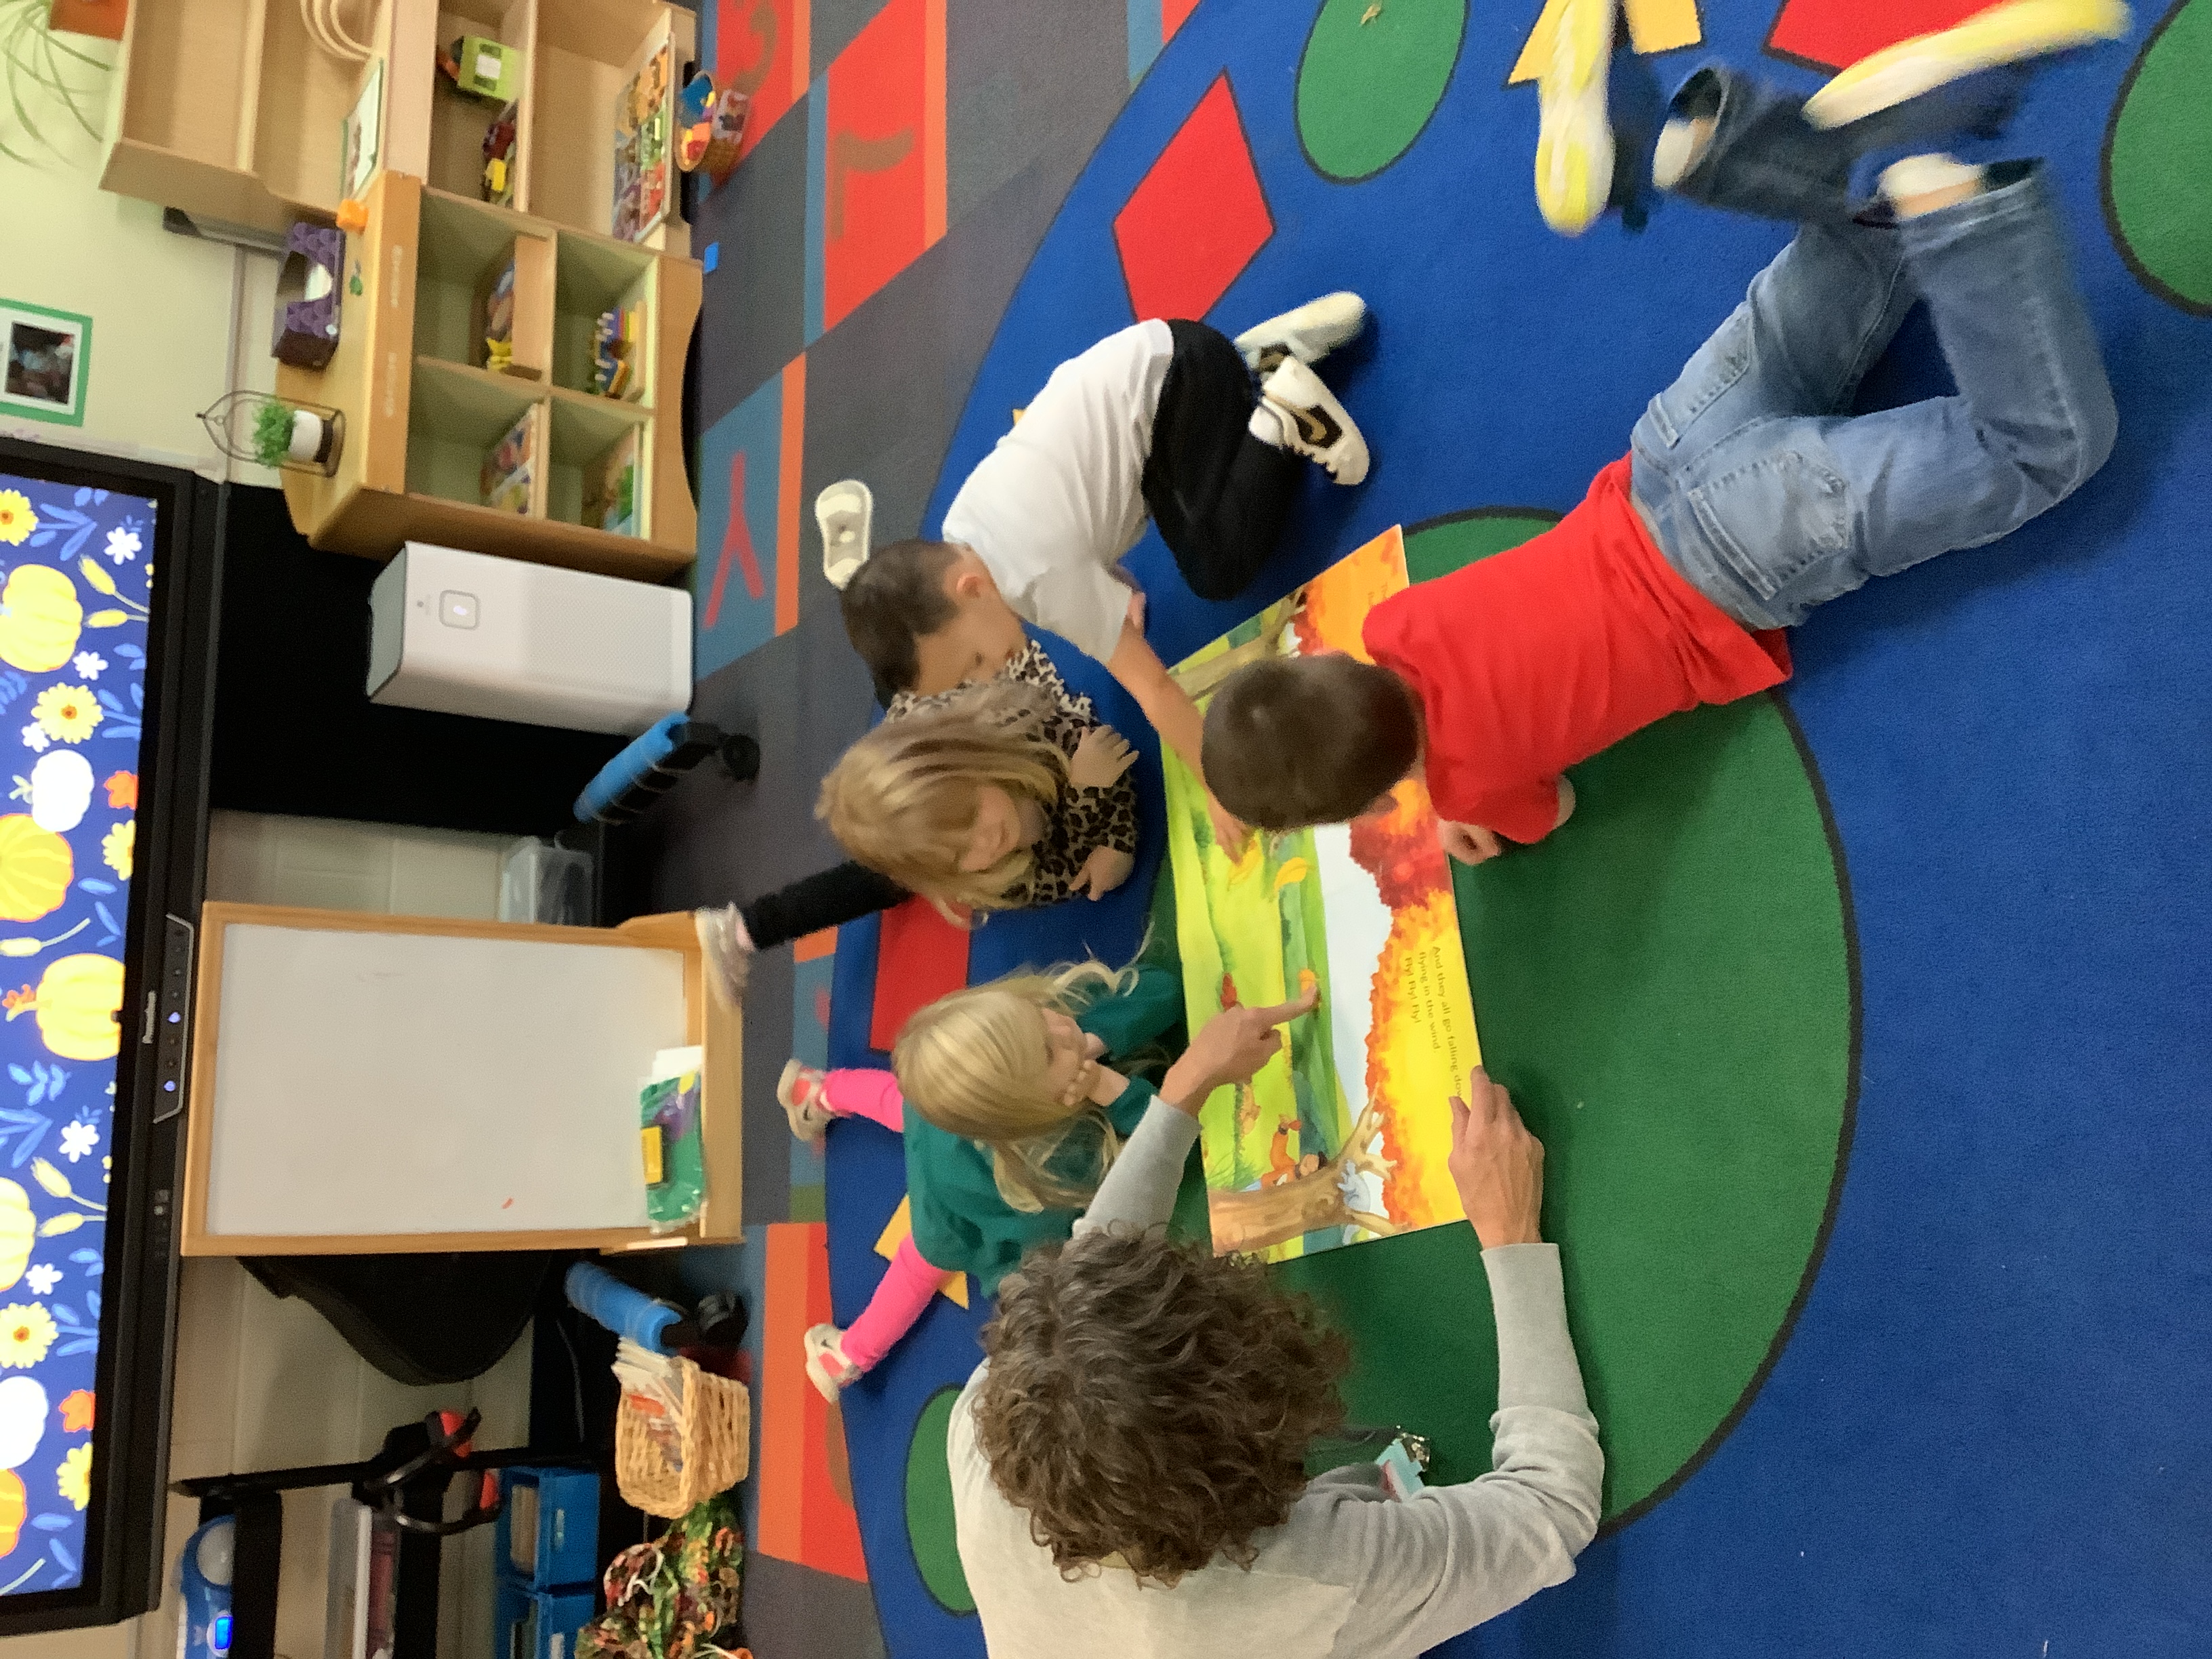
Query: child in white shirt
<point x="1162" y="420"/>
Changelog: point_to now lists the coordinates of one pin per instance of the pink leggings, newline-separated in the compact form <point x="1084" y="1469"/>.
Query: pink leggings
<point x="910" y="1282"/>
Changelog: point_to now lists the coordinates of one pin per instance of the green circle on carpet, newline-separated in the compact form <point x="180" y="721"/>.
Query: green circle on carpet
<point x="2158" y="160"/>
<point x="929" y="1524"/>
<point x="1667" y="987"/>
<point x="1367" y="90"/>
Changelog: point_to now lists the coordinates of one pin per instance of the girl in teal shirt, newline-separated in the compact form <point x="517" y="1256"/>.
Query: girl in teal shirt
<point x="1018" y="1110"/>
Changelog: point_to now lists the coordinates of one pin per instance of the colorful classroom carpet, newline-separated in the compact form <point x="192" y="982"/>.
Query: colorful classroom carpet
<point x="1865" y="1023"/>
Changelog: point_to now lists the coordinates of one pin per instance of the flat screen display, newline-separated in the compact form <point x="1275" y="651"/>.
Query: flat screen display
<point x="77" y="575"/>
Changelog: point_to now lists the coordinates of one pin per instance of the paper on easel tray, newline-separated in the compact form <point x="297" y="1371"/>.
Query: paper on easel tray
<point x="674" y="1062"/>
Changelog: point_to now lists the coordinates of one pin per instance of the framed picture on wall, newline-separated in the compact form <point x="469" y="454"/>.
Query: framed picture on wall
<point x="46" y="358"/>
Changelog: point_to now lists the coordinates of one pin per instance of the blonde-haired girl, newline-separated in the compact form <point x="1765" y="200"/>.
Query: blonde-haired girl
<point x="1015" y="1119"/>
<point x="1081" y="790"/>
<point x="975" y="803"/>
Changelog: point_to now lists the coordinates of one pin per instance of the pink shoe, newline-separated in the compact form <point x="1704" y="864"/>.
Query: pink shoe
<point x="827" y="1368"/>
<point x="799" y="1091"/>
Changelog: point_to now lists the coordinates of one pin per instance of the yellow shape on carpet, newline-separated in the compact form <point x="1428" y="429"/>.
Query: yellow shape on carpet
<point x="898" y="1231"/>
<point x="1653" y="25"/>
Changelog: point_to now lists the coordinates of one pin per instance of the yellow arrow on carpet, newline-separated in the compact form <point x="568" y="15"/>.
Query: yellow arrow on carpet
<point x="1653" y="25"/>
<point x="898" y="1231"/>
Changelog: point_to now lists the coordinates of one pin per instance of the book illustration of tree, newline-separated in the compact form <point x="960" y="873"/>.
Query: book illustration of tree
<point x="1400" y="851"/>
<point x="1259" y="1219"/>
<point x="1320" y="1106"/>
<point x="1248" y="642"/>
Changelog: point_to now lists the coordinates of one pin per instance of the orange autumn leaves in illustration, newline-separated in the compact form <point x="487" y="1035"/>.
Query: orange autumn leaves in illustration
<point x="1400" y="850"/>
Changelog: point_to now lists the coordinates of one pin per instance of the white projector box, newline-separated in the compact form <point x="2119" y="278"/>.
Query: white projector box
<point x="468" y="634"/>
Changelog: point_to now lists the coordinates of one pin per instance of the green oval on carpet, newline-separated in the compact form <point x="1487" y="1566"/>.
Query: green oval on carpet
<point x="929" y="1523"/>
<point x="1667" y="986"/>
<point x="2158" y="160"/>
<point x="1367" y="89"/>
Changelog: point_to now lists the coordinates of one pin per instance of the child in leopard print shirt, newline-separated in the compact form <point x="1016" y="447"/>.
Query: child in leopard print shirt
<point x="1087" y="831"/>
<point x="1089" y="844"/>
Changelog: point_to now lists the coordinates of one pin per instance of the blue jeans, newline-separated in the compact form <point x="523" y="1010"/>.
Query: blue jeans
<point x="1769" y="499"/>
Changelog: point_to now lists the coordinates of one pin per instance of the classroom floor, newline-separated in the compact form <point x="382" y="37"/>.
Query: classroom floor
<point x="1865" y="1021"/>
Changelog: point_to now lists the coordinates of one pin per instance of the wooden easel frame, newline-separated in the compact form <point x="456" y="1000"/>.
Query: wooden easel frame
<point x="716" y="1029"/>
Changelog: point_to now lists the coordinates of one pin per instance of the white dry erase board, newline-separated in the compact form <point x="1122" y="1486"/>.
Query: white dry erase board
<point x="369" y="1083"/>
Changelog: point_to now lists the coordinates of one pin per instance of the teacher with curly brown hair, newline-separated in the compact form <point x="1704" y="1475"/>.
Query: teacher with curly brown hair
<point x="1128" y="1464"/>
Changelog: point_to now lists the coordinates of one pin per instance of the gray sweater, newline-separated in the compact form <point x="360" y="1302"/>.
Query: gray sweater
<point x="1350" y="1572"/>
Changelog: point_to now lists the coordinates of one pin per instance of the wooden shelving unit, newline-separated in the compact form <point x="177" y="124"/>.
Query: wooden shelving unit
<point x="229" y="110"/>
<point x="421" y="416"/>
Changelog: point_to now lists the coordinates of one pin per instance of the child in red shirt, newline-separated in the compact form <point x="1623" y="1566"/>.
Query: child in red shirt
<point x="1748" y="496"/>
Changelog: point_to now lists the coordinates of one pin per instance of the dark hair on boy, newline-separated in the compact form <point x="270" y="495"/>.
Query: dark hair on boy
<point x="1295" y="741"/>
<point x="1151" y="1401"/>
<point x="892" y="600"/>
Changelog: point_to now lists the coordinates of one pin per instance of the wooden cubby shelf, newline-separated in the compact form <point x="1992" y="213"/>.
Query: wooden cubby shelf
<point x="229" y="110"/>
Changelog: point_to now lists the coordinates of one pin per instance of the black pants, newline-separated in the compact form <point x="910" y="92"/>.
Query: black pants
<point x="828" y="900"/>
<point x="1220" y="495"/>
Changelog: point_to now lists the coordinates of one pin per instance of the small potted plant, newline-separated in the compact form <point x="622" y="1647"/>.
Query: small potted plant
<point x="276" y="432"/>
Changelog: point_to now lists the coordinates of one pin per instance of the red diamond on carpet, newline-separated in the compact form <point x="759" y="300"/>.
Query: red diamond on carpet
<point x="1834" y="34"/>
<point x="1195" y="219"/>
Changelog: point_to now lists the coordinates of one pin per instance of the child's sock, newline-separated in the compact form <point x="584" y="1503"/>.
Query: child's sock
<point x="1682" y="145"/>
<point x="1267" y="424"/>
<point x="1922" y="184"/>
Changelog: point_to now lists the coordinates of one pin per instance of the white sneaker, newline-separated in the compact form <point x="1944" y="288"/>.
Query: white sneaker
<point x="1574" y="138"/>
<point x="1308" y="333"/>
<point x="827" y="1368"/>
<point x="727" y="951"/>
<point x="1296" y="412"/>
<point x="845" y="513"/>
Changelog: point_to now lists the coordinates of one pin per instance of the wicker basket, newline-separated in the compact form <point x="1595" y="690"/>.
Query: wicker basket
<point x="717" y="1447"/>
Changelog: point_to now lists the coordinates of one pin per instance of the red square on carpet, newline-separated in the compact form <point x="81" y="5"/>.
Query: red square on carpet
<point x="884" y="172"/>
<point x="805" y="1480"/>
<point x="920" y="957"/>
<point x="1195" y="219"/>
<point x="761" y="49"/>
<point x="1834" y="34"/>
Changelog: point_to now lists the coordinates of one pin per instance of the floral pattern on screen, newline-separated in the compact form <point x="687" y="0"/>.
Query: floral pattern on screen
<point x="76" y="581"/>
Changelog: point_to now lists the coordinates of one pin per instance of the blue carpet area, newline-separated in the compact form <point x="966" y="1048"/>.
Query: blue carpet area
<point x="1981" y="1437"/>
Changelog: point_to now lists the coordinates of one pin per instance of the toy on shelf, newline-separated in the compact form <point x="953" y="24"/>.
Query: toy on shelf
<point x="359" y="141"/>
<point x="277" y="432"/>
<point x="308" y="296"/>
<point x="610" y="488"/>
<point x="508" y="478"/>
<point x="499" y="158"/>
<point x="353" y="219"/>
<point x="710" y="125"/>
<point x="484" y="67"/>
<point x="615" y="339"/>
<point x="643" y="118"/>
<point x="497" y="331"/>
<point x="511" y="315"/>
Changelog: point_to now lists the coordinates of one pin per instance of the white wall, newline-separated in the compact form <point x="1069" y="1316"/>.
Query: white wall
<point x="262" y="1383"/>
<point x="161" y="305"/>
